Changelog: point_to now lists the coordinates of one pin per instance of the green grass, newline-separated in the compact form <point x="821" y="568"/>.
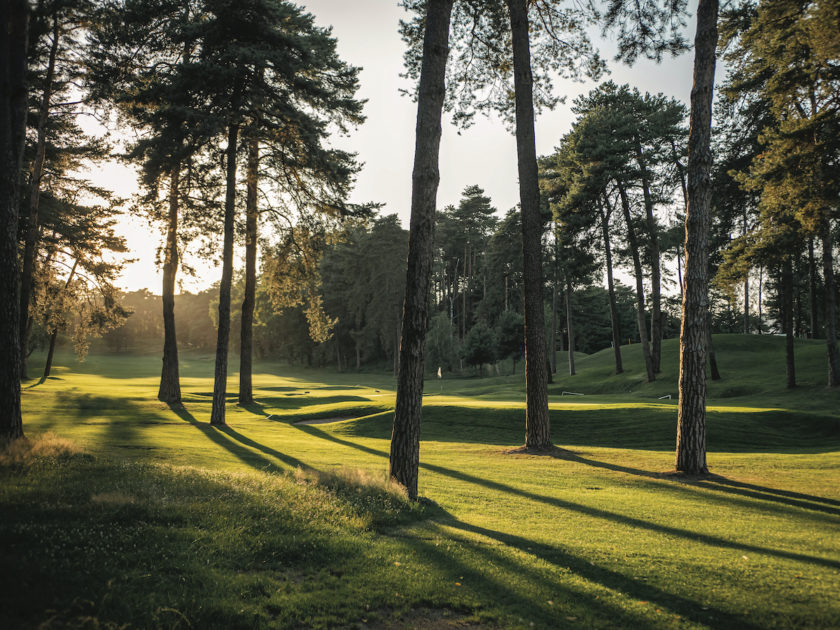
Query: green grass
<point x="156" y="519"/>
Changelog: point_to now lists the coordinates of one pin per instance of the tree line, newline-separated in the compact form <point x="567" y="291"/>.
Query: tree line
<point x="231" y="107"/>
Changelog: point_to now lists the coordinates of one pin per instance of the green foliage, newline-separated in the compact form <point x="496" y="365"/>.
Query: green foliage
<point x="464" y="255"/>
<point x="649" y="28"/>
<point x="480" y="68"/>
<point x="364" y="286"/>
<point x="510" y="336"/>
<point x="480" y="345"/>
<point x="442" y="344"/>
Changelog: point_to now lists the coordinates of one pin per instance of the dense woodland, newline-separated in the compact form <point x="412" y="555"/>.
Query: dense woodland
<point x="227" y="109"/>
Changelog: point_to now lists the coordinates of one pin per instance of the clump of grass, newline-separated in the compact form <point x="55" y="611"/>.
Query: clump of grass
<point x="27" y="451"/>
<point x="376" y="499"/>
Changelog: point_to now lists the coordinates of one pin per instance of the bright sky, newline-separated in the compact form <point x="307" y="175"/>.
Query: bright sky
<point x="484" y="154"/>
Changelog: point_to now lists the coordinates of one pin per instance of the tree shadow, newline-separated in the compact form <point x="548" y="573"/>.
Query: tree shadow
<point x="622" y="519"/>
<point x="644" y="428"/>
<point x="323" y="387"/>
<point x="254" y="407"/>
<point x="796" y="499"/>
<point x="235" y="443"/>
<point x="720" y="483"/>
<point x="609" y="578"/>
<point x="40" y="381"/>
<point x="288" y="401"/>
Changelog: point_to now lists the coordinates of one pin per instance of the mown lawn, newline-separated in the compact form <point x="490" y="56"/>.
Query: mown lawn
<point x="154" y="518"/>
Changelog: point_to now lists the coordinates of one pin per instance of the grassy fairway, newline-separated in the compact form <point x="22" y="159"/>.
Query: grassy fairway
<point x="165" y="521"/>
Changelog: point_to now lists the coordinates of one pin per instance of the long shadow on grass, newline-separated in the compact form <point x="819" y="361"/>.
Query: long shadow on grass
<point x="608" y="578"/>
<point x="254" y="407"/>
<point x="723" y="484"/>
<point x="478" y="567"/>
<point x="235" y="443"/>
<point x="647" y="428"/>
<point x="292" y="401"/>
<point x="706" y="539"/>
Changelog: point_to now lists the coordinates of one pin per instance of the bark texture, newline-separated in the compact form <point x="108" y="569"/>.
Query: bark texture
<point x="217" y="413"/>
<point x="570" y="325"/>
<point x="170" y="382"/>
<point x="655" y="268"/>
<point x="714" y="372"/>
<point x="54" y="333"/>
<point x="246" y="391"/>
<point x="50" y="355"/>
<point x="15" y="24"/>
<point x="691" y="419"/>
<point x="404" y="459"/>
<point x="553" y="342"/>
<point x="31" y="226"/>
<point x="830" y="303"/>
<point x="616" y="332"/>
<point x="744" y="230"/>
<point x="537" y="427"/>
<point x="640" y="289"/>
<point x="812" y="291"/>
<point x="787" y="322"/>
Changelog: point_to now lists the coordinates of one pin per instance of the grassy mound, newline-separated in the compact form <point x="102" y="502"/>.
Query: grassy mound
<point x="90" y="542"/>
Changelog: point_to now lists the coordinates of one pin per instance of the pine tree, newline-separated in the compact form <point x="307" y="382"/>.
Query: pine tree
<point x="792" y="44"/>
<point x="144" y="78"/>
<point x="691" y="420"/>
<point x="13" y="95"/>
<point x="404" y="461"/>
<point x="267" y="62"/>
<point x="57" y="146"/>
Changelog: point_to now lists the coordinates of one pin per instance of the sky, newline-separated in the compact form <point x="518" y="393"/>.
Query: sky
<point x="485" y="154"/>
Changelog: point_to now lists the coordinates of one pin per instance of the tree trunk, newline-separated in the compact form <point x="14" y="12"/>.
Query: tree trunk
<point x="830" y="302"/>
<point x="246" y="392"/>
<point x="713" y="366"/>
<point x="616" y="332"/>
<point x="640" y="290"/>
<point x="797" y="293"/>
<point x="679" y="270"/>
<point x="31" y="226"/>
<point x="217" y="413"/>
<point x="537" y="427"/>
<point x="15" y="24"/>
<point x="571" y="326"/>
<point x="812" y="290"/>
<point x="170" y="383"/>
<point x="787" y="322"/>
<point x="655" y="268"/>
<point x="691" y="419"/>
<point x="464" y="298"/>
<point x="50" y="354"/>
<point x="396" y="367"/>
<point x="747" y="305"/>
<point x="54" y="334"/>
<point x="684" y="188"/>
<point x="554" y="325"/>
<point x="404" y="459"/>
<point x="760" y="298"/>
<point x="746" y="287"/>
